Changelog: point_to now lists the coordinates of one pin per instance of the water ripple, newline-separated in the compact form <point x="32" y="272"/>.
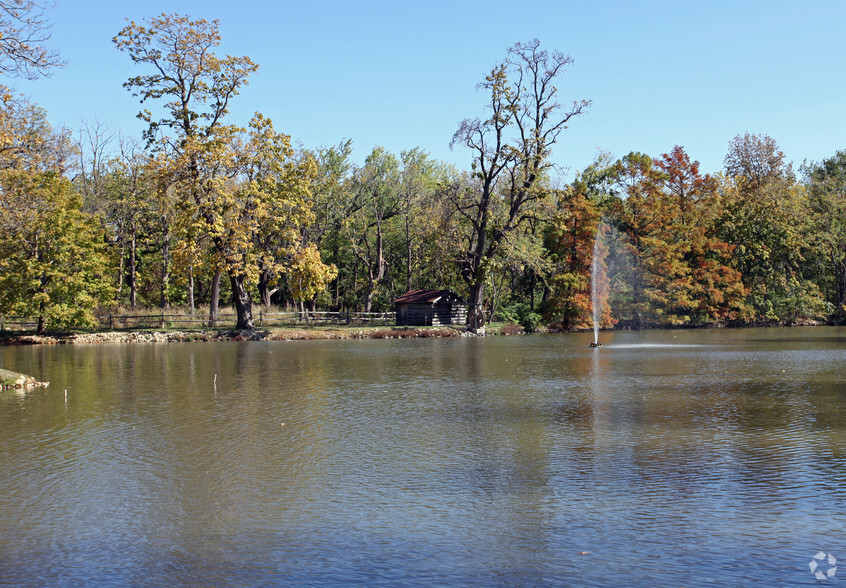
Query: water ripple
<point x="512" y="461"/>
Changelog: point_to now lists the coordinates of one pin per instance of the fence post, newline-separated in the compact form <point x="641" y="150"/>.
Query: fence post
<point x="261" y="318"/>
<point x="163" y="326"/>
<point x="111" y="323"/>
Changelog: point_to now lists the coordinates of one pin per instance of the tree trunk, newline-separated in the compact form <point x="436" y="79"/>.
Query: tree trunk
<point x="475" y="310"/>
<point x="265" y="291"/>
<point x="368" y="299"/>
<point x="121" y="266"/>
<point x="243" y="303"/>
<point x="133" y="274"/>
<point x="337" y="284"/>
<point x="165" y="302"/>
<point x="214" y="301"/>
<point x="840" y="287"/>
<point x="408" y="254"/>
<point x="495" y="296"/>
<point x="355" y="280"/>
<point x="200" y="289"/>
<point x="191" y="288"/>
<point x="532" y="283"/>
<point x="304" y="311"/>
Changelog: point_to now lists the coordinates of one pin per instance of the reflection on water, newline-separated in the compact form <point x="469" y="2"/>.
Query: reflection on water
<point x="651" y="345"/>
<point x="670" y="457"/>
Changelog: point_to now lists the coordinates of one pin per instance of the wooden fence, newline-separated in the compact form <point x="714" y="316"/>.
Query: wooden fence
<point x="17" y="323"/>
<point x="261" y="318"/>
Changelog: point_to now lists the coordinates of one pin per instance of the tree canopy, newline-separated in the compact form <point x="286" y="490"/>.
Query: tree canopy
<point x="206" y="210"/>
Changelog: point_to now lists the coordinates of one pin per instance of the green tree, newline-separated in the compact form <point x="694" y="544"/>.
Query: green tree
<point x="129" y="205"/>
<point x="116" y="186"/>
<point x="52" y="254"/>
<point x="766" y="217"/>
<point x="330" y="197"/>
<point x="420" y="177"/>
<point x="376" y="201"/>
<point x="827" y="191"/>
<point x="436" y="234"/>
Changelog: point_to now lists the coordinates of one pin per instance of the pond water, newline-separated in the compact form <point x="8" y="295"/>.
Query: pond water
<point x="664" y="458"/>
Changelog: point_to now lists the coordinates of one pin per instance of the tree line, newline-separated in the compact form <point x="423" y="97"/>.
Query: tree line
<point x="201" y="210"/>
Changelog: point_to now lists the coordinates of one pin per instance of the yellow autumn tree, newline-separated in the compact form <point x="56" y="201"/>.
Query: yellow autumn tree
<point x="308" y="275"/>
<point x="238" y="186"/>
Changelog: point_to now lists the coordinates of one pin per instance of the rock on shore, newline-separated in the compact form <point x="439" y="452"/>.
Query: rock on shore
<point x="9" y="379"/>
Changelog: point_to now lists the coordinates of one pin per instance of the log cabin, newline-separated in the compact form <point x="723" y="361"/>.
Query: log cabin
<point x="430" y="308"/>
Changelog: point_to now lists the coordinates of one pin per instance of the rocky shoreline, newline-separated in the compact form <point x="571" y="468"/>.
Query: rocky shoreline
<point x="106" y="337"/>
<point x="317" y="334"/>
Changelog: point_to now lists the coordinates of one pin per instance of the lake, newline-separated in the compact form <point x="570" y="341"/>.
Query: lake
<point x="664" y="458"/>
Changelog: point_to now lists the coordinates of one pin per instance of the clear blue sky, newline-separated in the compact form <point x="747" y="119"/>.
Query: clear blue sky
<point x="403" y="75"/>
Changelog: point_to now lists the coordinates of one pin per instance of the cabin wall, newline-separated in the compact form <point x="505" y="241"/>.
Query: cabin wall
<point x="431" y="315"/>
<point x="450" y="314"/>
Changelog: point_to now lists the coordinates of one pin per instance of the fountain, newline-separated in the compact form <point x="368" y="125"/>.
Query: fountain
<point x="594" y="290"/>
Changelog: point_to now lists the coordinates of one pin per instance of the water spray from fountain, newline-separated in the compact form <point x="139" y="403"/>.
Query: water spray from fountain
<point x="594" y="290"/>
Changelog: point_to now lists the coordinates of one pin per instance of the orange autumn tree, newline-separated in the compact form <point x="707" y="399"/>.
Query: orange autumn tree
<point x="712" y="290"/>
<point x="679" y="269"/>
<point x="570" y="240"/>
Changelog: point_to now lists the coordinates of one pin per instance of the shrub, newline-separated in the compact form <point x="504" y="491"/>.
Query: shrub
<point x="511" y="329"/>
<point x="521" y="314"/>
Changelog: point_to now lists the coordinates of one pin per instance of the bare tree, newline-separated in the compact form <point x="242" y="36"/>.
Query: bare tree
<point x="511" y="151"/>
<point x="24" y="30"/>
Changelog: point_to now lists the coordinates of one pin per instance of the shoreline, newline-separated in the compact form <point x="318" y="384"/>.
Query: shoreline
<point x="275" y="334"/>
<point x="325" y="333"/>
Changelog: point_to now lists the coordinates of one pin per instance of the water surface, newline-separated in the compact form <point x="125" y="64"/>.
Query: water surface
<point x="669" y="457"/>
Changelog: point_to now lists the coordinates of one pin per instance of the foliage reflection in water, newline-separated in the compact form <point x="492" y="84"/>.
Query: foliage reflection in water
<point x="670" y="457"/>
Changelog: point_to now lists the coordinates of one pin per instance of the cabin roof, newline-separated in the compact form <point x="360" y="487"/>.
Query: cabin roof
<point x="428" y="297"/>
